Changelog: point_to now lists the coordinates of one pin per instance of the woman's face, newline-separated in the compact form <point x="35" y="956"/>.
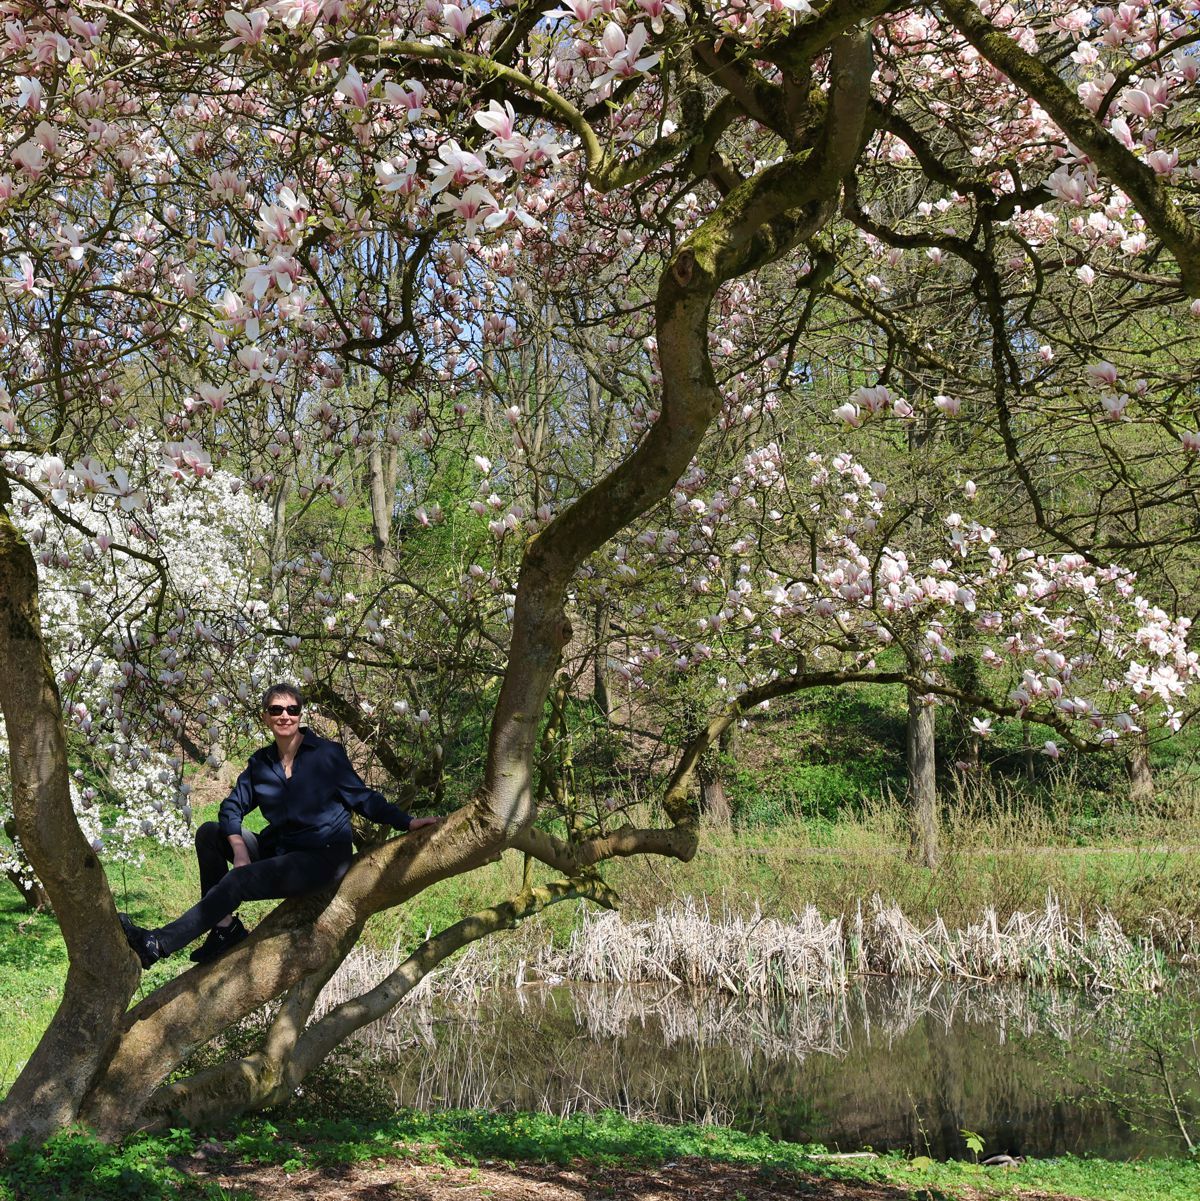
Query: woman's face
<point x="281" y="723"/>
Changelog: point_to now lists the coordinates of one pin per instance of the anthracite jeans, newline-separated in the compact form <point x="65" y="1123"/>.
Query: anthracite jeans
<point x="267" y="877"/>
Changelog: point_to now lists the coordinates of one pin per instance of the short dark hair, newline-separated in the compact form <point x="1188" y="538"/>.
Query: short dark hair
<point x="282" y="690"/>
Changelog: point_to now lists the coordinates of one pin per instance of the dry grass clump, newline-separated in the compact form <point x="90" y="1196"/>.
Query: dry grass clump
<point x="1047" y="947"/>
<point x="753" y="955"/>
<point x="759" y="956"/>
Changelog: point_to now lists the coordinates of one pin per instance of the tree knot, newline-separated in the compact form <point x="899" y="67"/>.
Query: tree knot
<point x="684" y="266"/>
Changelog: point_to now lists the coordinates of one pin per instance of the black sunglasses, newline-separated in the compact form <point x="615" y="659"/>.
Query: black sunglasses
<point x="280" y="710"/>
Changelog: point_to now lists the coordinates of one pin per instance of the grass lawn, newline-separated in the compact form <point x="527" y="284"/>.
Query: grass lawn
<point x="473" y="1154"/>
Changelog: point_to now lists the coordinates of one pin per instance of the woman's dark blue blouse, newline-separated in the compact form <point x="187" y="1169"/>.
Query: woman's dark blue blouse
<point x="309" y="810"/>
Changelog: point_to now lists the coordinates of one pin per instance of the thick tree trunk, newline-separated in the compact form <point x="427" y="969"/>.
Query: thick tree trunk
<point x="600" y="660"/>
<point x="922" y="782"/>
<point x="382" y="465"/>
<point x="100" y="980"/>
<point x="714" y="803"/>
<point x="299" y="939"/>
<point x="1141" y="775"/>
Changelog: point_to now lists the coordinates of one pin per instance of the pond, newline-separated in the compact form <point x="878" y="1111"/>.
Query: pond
<point x="889" y="1065"/>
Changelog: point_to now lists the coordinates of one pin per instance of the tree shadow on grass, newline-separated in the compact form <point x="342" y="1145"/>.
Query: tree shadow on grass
<point x="432" y="1157"/>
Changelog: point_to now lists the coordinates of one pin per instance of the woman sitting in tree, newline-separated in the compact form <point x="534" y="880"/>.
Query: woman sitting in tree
<point x="306" y="789"/>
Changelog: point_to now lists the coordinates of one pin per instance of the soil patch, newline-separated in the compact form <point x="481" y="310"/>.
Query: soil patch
<point x="691" y="1179"/>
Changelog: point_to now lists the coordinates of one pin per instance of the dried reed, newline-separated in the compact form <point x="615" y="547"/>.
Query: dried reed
<point x="757" y="956"/>
<point x="760" y="956"/>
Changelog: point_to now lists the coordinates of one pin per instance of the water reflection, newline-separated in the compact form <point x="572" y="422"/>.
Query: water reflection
<point x="885" y="1064"/>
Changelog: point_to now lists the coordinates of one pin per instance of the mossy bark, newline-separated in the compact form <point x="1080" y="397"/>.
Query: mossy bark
<point x="103" y="973"/>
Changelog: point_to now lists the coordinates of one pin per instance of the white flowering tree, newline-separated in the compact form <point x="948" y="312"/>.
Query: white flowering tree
<point x="114" y="573"/>
<point x="217" y="223"/>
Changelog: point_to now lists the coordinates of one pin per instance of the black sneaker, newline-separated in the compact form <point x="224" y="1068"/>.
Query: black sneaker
<point x="144" y="942"/>
<point x="220" y="939"/>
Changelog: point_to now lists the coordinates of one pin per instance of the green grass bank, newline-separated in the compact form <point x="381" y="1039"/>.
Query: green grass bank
<point x="180" y="1166"/>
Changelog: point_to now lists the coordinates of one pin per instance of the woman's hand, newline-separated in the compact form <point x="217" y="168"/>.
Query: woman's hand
<point x="419" y="823"/>
<point x="241" y="856"/>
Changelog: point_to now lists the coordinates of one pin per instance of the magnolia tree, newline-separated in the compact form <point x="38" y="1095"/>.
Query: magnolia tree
<point x="217" y="222"/>
<point x="1062" y="643"/>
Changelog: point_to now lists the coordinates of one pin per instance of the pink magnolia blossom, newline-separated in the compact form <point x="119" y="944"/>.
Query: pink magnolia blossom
<point x="129" y="498"/>
<point x="1119" y="128"/>
<point x="26" y="283"/>
<point x="1101" y="375"/>
<point x="214" y="396"/>
<point x="580" y="11"/>
<point x="48" y="47"/>
<point x="294" y="13"/>
<point x="1068" y="186"/>
<point x="656" y="9"/>
<point x="411" y="97"/>
<point x="188" y="456"/>
<point x="353" y="89"/>
<point x="398" y="175"/>
<point x="69" y="237"/>
<point x="457" y="20"/>
<point x="255" y="363"/>
<point x="1113" y="405"/>
<point x="29" y="94"/>
<point x="90" y="474"/>
<point x="29" y="157"/>
<point x="280" y="272"/>
<point x="456" y="167"/>
<point x="876" y="399"/>
<point x="622" y="55"/>
<point x="1147" y="101"/>
<point x="498" y="120"/>
<point x="247" y="29"/>
<point x="240" y="315"/>
<point x="1163" y="162"/>
<point x="46" y="136"/>
<point x="1187" y="64"/>
<point x="475" y="206"/>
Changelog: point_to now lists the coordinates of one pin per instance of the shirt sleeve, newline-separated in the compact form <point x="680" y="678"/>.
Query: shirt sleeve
<point x="357" y="796"/>
<point x="237" y="804"/>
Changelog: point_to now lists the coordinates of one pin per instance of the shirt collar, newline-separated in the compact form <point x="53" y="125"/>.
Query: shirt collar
<point x="307" y="738"/>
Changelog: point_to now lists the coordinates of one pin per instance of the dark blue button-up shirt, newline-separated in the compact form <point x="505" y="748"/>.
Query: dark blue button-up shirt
<point x="310" y="809"/>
